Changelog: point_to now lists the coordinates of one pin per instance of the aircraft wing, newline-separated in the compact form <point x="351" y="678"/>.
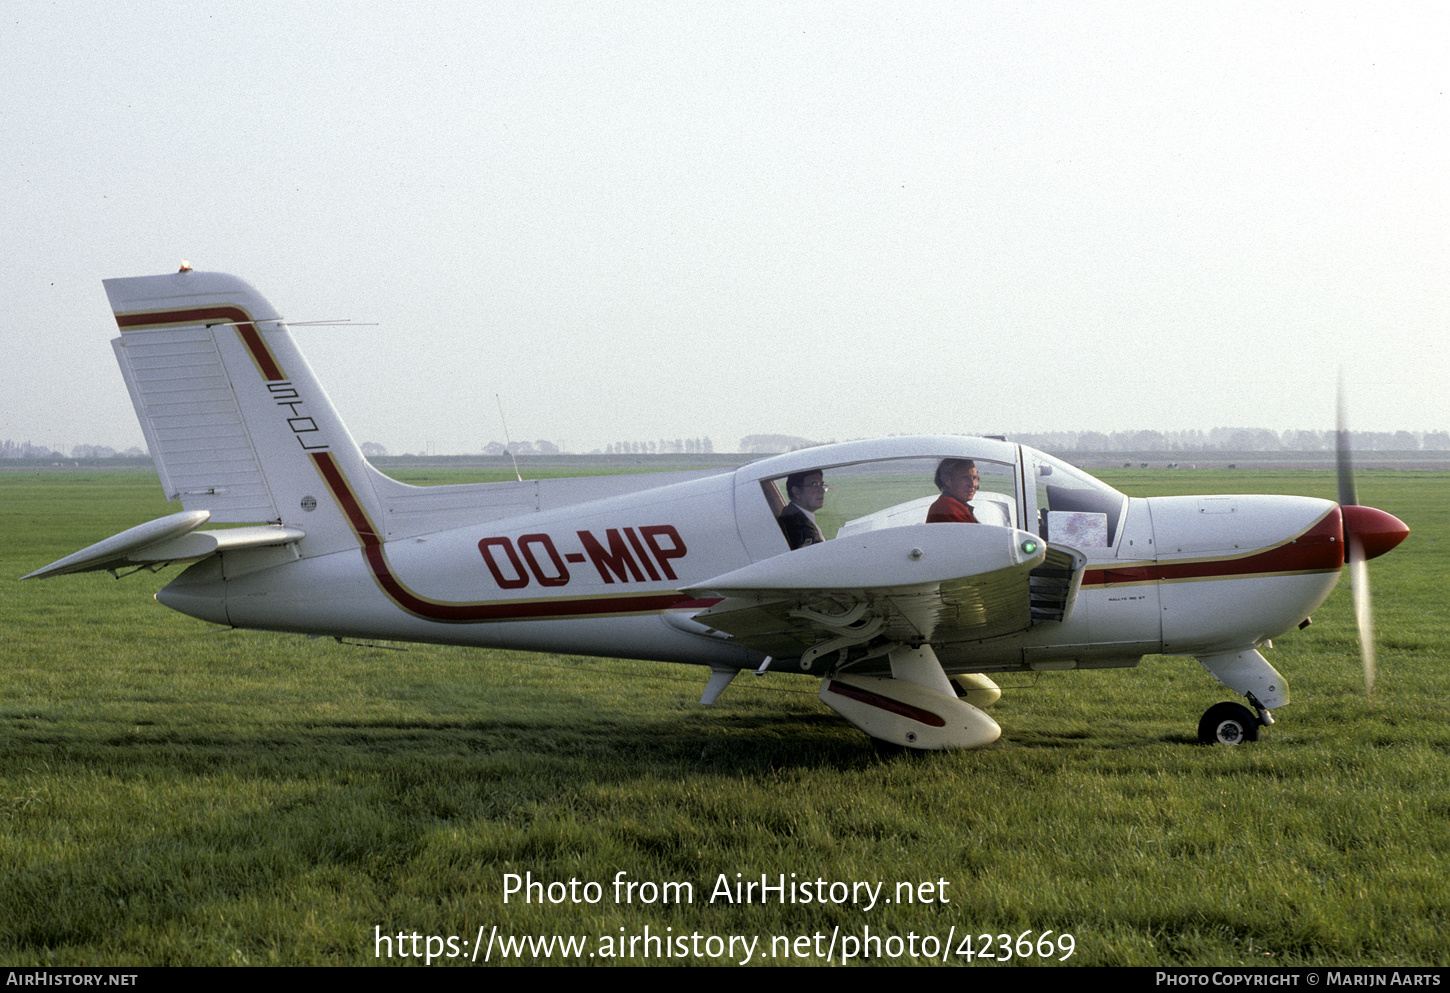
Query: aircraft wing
<point x="914" y="584"/>
<point x="166" y="540"/>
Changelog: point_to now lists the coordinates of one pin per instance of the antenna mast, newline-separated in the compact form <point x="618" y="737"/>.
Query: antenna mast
<point x="507" y="440"/>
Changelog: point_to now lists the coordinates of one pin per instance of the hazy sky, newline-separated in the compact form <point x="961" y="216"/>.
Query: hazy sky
<point x="834" y="220"/>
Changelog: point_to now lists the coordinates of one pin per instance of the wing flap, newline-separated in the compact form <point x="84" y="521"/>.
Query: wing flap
<point x="914" y="584"/>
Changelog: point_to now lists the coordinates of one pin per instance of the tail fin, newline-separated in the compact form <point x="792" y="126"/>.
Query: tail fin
<point x="236" y="422"/>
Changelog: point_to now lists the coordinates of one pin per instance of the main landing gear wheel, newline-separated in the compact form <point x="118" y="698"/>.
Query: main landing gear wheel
<point x="1228" y="724"/>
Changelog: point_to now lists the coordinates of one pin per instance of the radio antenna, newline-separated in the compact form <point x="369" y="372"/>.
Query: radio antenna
<point x="507" y="440"/>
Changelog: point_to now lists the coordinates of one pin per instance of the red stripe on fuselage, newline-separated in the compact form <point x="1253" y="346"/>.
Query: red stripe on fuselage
<point x="332" y="475"/>
<point x="1320" y="548"/>
<point x="468" y="612"/>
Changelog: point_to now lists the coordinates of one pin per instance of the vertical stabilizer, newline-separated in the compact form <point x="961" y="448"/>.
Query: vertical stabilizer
<point x="236" y="422"/>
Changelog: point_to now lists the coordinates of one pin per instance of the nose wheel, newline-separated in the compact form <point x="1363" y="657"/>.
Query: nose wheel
<point x="1228" y="724"/>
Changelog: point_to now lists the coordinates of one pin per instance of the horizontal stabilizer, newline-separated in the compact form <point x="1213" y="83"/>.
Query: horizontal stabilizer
<point x="169" y="539"/>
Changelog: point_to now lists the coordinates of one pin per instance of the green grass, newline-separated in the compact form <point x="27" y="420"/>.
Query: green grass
<point x="170" y="795"/>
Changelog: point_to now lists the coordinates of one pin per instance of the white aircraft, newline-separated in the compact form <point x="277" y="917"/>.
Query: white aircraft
<point x="904" y="621"/>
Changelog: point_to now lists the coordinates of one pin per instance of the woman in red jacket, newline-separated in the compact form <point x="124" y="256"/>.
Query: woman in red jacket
<point x="958" y="480"/>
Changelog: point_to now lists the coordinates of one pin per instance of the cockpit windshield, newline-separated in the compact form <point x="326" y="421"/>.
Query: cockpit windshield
<point x="1073" y="508"/>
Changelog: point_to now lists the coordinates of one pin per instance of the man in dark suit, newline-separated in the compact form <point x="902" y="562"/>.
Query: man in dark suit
<point x="807" y="492"/>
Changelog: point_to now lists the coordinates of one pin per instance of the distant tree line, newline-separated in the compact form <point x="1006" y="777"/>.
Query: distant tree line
<point x="540" y="447"/>
<point x="664" y="446"/>
<point x="1218" y="439"/>
<point x="25" y="450"/>
<point x="371" y="449"/>
<point x="774" y="444"/>
<point x="1233" y="440"/>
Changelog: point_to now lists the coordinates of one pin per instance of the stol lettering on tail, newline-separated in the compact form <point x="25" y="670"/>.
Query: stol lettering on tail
<point x="903" y="621"/>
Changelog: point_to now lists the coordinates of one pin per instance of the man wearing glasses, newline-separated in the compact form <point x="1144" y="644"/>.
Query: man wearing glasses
<point x="807" y="491"/>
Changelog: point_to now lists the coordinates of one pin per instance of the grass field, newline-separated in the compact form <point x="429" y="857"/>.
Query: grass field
<point x="172" y="795"/>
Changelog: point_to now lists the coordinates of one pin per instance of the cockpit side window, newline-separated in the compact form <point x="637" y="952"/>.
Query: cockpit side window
<point x="866" y="496"/>
<point x="772" y="496"/>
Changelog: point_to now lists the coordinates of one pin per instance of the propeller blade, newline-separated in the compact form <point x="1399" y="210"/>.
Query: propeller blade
<point x="1348" y="493"/>
<point x="1363" y="615"/>
<point x="1358" y="573"/>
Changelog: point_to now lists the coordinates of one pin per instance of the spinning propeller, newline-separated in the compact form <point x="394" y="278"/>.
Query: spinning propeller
<point x="1367" y="532"/>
